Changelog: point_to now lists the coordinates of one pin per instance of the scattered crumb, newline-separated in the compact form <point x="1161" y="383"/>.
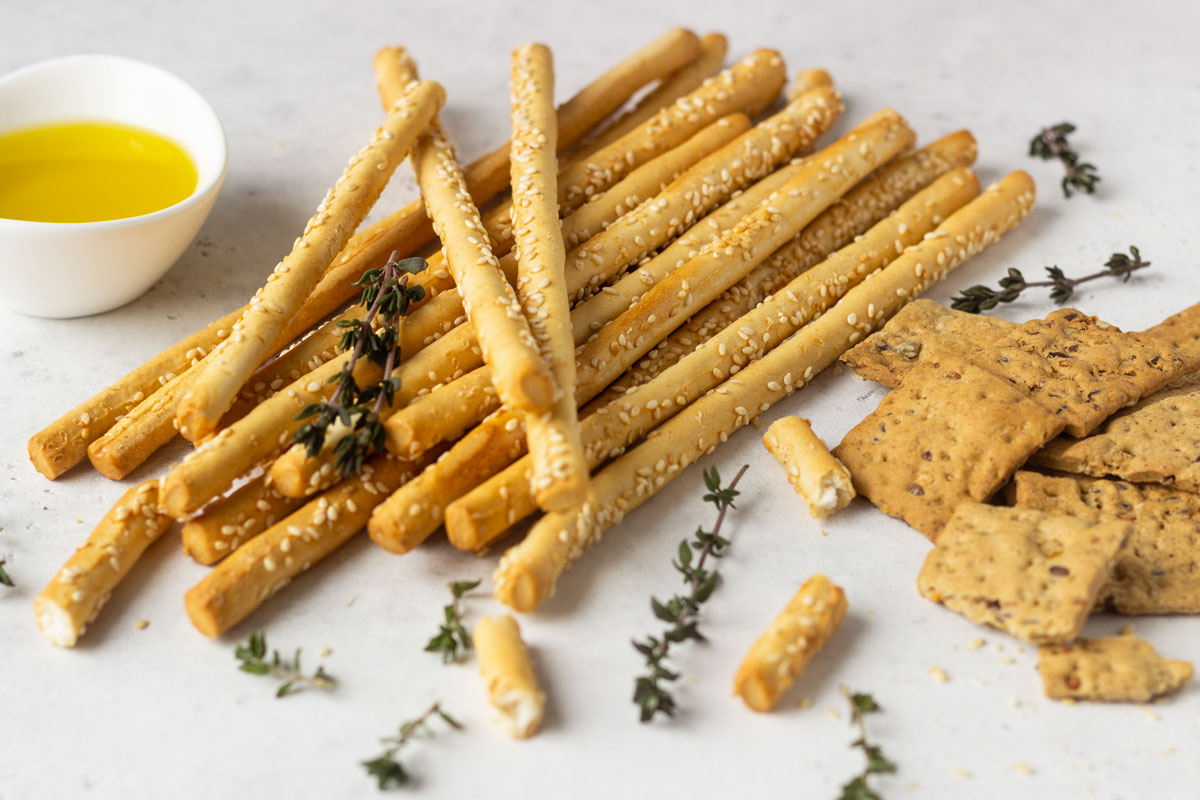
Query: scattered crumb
<point x="1020" y="649"/>
<point x="1012" y="702"/>
<point x="1126" y="630"/>
<point x="962" y="773"/>
<point x="1008" y="660"/>
<point x="977" y="681"/>
<point x="805" y="702"/>
<point x="350" y="601"/>
<point x="838" y="369"/>
<point x="998" y="647"/>
<point x="78" y="522"/>
<point x="833" y="713"/>
<point x="977" y="643"/>
<point x="823" y="533"/>
<point x="938" y="674"/>
<point x="142" y="624"/>
<point x="1085" y="766"/>
<point x="758" y="423"/>
<point x="323" y="651"/>
<point x="1169" y="750"/>
<point x="1022" y="768"/>
<point x="1150" y="714"/>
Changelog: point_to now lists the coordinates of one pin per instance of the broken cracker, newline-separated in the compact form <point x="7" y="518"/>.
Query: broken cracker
<point x="1031" y="574"/>
<point x="1117" y="669"/>
<point x="1158" y="571"/>
<point x="952" y="432"/>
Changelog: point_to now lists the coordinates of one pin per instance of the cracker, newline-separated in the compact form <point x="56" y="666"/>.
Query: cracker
<point x="1031" y="574"/>
<point x="952" y="432"/>
<point x="1156" y="441"/>
<point x="921" y="329"/>
<point x="1182" y="330"/>
<point x="1158" y="572"/>
<point x="1117" y="669"/>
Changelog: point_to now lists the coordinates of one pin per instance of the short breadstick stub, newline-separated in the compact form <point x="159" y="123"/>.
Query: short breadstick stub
<point x="815" y="473"/>
<point x="507" y="670"/>
<point x="782" y="653"/>
<point x="83" y="585"/>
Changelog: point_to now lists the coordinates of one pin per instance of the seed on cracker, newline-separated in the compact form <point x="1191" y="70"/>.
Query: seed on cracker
<point x="1031" y="574"/>
<point x="1117" y="669"/>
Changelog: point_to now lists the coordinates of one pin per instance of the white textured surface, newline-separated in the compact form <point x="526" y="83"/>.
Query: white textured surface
<point x="163" y="713"/>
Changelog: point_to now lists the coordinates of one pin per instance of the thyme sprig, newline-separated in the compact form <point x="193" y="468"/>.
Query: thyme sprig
<point x="387" y="296"/>
<point x="859" y="788"/>
<point x="4" y="579"/>
<point x="452" y="636"/>
<point x="682" y="612"/>
<point x="253" y="658"/>
<point x="1051" y="143"/>
<point x="982" y="298"/>
<point x="386" y="768"/>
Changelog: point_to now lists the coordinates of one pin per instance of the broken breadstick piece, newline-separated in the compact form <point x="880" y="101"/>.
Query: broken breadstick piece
<point x="508" y="672"/>
<point x="83" y="585"/>
<point x="782" y="653"/>
<point x="815" y="473"/>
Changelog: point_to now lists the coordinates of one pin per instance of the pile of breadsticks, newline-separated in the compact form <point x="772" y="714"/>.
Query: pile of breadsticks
<point x="608" y="297"/>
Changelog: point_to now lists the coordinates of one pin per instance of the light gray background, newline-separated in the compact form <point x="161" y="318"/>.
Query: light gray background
<point x="163" y="712"/>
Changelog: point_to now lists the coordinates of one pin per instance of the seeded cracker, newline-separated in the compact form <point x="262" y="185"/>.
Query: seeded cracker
<point x="1031" y="574"/>
<point x="922" y="328"/>
<point x="950" y="433"/>
<point x="1182" y="330"/>
<point x="1117" y="669"/>
<point x="1158" y="572"/>
<point x="1156" y="441"/>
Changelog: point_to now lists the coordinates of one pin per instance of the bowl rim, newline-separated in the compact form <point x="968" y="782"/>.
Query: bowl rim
<point x="198" y="194"/>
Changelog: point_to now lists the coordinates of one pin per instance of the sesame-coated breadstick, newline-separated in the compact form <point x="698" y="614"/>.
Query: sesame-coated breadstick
<point x="560" y="475"/>
<point x="686" y="79"/>
<point x="145" y="428"/>
<point x="268" y="562"/>
<point x="755" y="153"/>
<point x="748" y="87"/>
<point x="221" y="527"/>
<point x="75" y="595"/>
<point x="507" y="670"/>
<point x="778" y="657"/>
<point x="814" y="472"/>
<point x="807" y="80"/>
<point x="528" y="572"/>
<point x="479" y="518"/>
<point x="343" y="208"/>
<point x="866" y="204"/>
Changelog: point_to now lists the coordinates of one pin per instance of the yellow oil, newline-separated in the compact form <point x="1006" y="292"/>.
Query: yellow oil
<point x="90" y="171"/>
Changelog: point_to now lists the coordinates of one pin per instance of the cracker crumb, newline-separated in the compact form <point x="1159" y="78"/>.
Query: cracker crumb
<point x="962" y="773"/>
<point x="1008" y="660"/>
<point x="1150" y="714"/>
<point x="805" y="702"/>
<point x="939" y="674"/>
<point x="1021" y="768"/>
<point x="1168" y="750"/>
<point x="323" y="651"/>
<point x="1012" y="702"/>
<point x="1126" y="630"/>
<point x="142" y="624"/>
<point x="350" y="601"/>
<point x="823" y="533"/>
<point x="833" y="713"/>
<point x="977" y="643"/>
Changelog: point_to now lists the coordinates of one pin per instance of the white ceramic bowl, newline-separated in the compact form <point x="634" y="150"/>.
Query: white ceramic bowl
<point x="51" y="269"/>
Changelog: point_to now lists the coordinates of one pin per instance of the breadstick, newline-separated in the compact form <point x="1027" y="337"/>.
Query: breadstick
<point x="866" y="204"/>
<point x="269" y="561"/>
<point x="343" y="208"/>
<point x="464" y="402"/>
<point x="560" y="475"/>
<point x="528" y="572"/>
<point x="223" y="526"/>
<point x="814" y="472"/>
<point x="686" y="79"/>
<point x="407" y="518"/>
<point x="507" y="670"/>
<point x="64" y="443"/>
<point x="807" y="80"/>
<point x="487" y="512"/>
<point x="783" y="651"/>
<point x="136" y="435"/>
<point x="83" y="585"/>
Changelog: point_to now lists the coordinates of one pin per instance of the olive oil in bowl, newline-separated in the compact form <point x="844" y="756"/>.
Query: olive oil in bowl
<point x="89" y="171"/>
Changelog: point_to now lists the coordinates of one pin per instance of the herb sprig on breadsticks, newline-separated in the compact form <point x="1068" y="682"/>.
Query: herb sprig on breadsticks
<point x="859" y="788"/>
<point x="253" y="658"/>
<point x="387" y="296"/>
<point x="452" y="636"/>
<point x="981" y="298"/>
<point x="386" y="768"/>
<point x="1051" y="143"/>
<point x="683" y="611"/>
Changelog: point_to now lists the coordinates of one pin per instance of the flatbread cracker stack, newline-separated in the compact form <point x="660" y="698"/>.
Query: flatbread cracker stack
<point x="1117" y="669"/>
<point x="932" y="443"/>
<point x="1033" y="575"/>
<point x="1156" y="441"/>
<point x="776" y="660"/>
<point x="1158" y="571"/>
<point x="814" y="472"/>
<point x="507" y="670"/>
<point x="76" y="594"/>
<point x="1182" y="330"/>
